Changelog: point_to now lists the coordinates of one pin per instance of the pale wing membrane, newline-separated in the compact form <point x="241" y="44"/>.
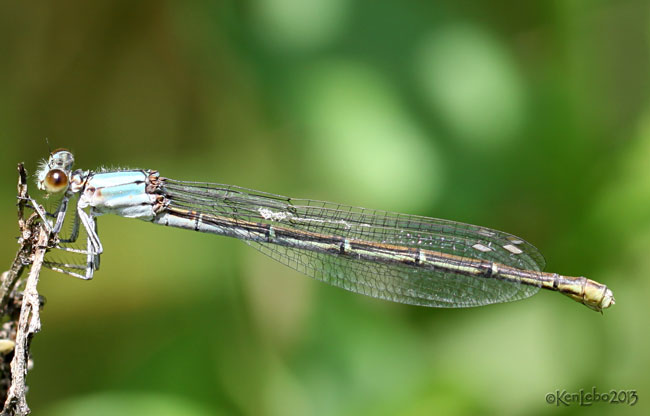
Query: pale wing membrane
<point x="423" y="287"/>
<point x="399" y="283"/>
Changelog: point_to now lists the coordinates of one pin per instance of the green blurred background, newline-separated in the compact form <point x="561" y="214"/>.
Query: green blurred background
<point x="531" y="117"/>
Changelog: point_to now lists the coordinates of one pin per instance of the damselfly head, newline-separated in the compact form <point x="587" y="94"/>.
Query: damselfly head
<point x="54" y="175"/>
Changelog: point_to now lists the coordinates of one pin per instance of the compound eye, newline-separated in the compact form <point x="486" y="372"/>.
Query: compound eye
<point x="55" y="181"/>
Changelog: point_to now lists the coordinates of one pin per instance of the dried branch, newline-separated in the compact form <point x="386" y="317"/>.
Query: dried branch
<point x="17" y="332"/>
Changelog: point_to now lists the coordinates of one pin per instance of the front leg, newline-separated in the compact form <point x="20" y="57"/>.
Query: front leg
<point x="42" y="214"/>
<point x="59" y="214"/>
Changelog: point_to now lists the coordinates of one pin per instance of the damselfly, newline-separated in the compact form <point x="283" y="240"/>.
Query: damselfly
<point x="398" y="257"/>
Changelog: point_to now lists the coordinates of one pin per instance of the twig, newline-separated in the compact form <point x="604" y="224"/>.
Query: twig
<point x="28" y="324"/>
<point x="10" y="277"/>
<point x="34" y="242"/>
